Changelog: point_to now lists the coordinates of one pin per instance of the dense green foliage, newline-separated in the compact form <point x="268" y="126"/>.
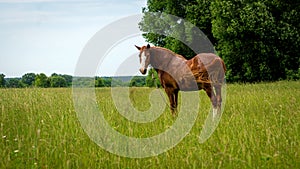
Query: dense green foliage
<point x="2" y="80"/>
<point x="259" y="40"/>
<point x="28" y="79"/>
<point x="259" y="128"/>
<point x="138" y="81"/>
<point x="174" y="33"/>
<point x="41" y="80"/>
<point x="152" y="79"/>
<point x="14" y="83"/>
<point x="58" y="81"/>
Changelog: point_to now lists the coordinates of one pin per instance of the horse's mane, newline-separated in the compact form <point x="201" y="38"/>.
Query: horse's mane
<point x="168" y="50"/>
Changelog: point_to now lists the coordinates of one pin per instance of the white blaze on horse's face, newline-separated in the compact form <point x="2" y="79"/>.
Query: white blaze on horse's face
<point x="143" y="59"/>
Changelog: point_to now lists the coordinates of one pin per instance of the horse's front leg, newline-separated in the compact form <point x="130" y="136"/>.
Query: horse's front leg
<point x="173" y="95"/>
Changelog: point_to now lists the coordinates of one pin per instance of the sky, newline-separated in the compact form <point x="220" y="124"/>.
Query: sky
<point x="48" y="36"/>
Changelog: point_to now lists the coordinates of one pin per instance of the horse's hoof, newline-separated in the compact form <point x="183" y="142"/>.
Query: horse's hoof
<point x="174" y="115"/>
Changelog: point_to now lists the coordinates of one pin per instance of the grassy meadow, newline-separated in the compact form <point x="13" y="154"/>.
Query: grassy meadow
<point x="260" y="128"/>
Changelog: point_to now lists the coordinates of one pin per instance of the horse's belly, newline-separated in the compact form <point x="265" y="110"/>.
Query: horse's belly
<point x="190" y="84"/>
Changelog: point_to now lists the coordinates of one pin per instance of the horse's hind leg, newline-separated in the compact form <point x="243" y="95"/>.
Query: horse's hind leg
<point x="210" y="93"/>
<point x="218" y="89"/>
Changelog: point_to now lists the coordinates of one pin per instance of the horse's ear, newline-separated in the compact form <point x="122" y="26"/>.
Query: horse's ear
<point x="148" y="46"/>
<point x="139" y="48"/>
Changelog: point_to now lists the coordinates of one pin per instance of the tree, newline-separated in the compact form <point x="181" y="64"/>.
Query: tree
<point x="57" y="81"/>
<point x="41" y="80"/>
<point x="68" y="79"/>
<point x="14" y="83"/>
<point x="152" y="79"/>
<point x="99" y="82"/>
<point x="107" y="81"/>
<point x="28" y="79"/>
<point x="168" y="29"/>
<point x="2" y="80"/>
<point x="187" y="33"/>
<point x="198" y="13"/>
<point x="116" y="82"/>
<point x="137" y="81"/>
<point x="259" y="40"/>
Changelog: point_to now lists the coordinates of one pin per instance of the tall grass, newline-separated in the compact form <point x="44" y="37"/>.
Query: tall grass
<point x="259" y="129"/>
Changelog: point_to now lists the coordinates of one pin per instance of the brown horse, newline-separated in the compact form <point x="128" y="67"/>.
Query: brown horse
<point x="177" y="73"/>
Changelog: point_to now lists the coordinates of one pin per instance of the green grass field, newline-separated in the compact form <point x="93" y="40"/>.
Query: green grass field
<point x="260" y="128"/>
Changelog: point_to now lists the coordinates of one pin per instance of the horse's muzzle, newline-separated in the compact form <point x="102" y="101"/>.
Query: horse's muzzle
<point x="143" y="71"/>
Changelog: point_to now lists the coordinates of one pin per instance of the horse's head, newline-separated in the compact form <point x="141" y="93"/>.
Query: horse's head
<point x="144" y="56"/>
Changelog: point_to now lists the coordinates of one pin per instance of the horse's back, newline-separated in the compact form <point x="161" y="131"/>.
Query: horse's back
<point x="207" y="68"/>
<point x="210" y="61"/>
<point x="206" y="58"/>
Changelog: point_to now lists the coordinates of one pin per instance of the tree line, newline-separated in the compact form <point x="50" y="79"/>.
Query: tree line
<point x="41" y="80"/>
<point x="259" y="40"/>
<point x="36" y="80"/>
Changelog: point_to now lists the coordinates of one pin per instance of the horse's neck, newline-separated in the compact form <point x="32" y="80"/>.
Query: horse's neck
<point x="163" y="58"/>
